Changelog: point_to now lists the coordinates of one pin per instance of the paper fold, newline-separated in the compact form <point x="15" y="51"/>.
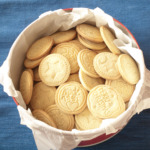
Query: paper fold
<point x="47" y="137"/>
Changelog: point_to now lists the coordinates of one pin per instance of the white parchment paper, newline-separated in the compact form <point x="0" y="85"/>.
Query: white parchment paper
<point x="47" y="137"/>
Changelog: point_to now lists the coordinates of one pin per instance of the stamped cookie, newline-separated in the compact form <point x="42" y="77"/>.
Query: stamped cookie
<point x="125" y="89"/>
<point x="71" y="97"/>
<point x="85" y="61"/>
<point x="32" y="63"/>
<point x="70" y="51"/>
<point x="63" y="36"/>
<point x="62" y="120"/>
<point x="43" y="116"/>
<point x="128" y="69"/>
<point x="108" y="38"/>
<point x="74" y="77"/>
<point x="26" y="86"/>
<point x="40" y="48"/>
<point x="90" y="44"/>
<point x="105" y="65"/>
<point x="89" y="82"/>
<point x="54" y="69"/>
<point x="105" y="102"/>
<point x="89" y="32"/>
<point x="42" y="96"/>
<point x="85" y="120"/>
<point x="78" y="44"/>
<point x="36" y="74"/>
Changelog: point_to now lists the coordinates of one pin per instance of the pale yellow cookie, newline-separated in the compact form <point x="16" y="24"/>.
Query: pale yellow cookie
<point x="63" y="36"/>
<point x="125" y="89"/>
<point x="70" y="51"/>
<point x="105" y="65"/>
<point x="89" y="32"/>
<point x="42" y="96"/>
<point x="26" y="86"/>
<point x="36" y="74"/>
<point x="32" y="63"/>
<point x="89" y="82"/>
<point x="71" y="97"/>
<point x="108" y="38"/>
<point x="85" y="61"/>
<point x="86" y="121"/>
<point x="128" y="69"/>
<point x="105" y="102"/>
<point x="40" y="48"/>
<point x="90" y="44"/>
<point x="43" y="116"/>
<point x="74" y="77"/>
<point x="54" y="69"/>
<point x="106" y="49"/>
<point x="78" y="44"/>
<point x="62" y="120"/>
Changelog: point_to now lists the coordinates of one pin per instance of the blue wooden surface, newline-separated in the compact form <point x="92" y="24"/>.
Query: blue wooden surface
<point x="15" y="15"/>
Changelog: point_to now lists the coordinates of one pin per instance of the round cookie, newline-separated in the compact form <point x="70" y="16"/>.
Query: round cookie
<point x="89" y="82"/>
<point x="86" y="121"/>
<point x="90" y="44"/>
<point x="70" y="51"/>
<point x="85" y="61"/>
<point x="31" y="72"/>
<point x="42" y="96"/>
<point x="54" y="69"/>
<point x="62" y="120"/>
<point x="32" y="63"/>
<point x="71" y="97"/>
<point x="43" y="116"/>
<point x="26" y="86"/>
<point x="105" y="102"/>
<point x="106" y="49"/>
<point x="36" y="74"/>
<point x="63" y="36"/>
<point x="74" y="77"/>
<point x="78" y="44"/>
<point x="89" y="32"/>
<point x="125" y="89"/>
<point x="40" y="48"/>
<point x="128" y="69"/>
<point x="105" y="65"/>
<point x="108" y="38"/>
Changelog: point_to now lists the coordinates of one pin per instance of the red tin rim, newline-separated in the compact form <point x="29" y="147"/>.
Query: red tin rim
<point x="103" y="137"/>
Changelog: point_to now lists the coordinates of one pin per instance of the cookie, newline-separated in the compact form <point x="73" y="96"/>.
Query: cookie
<point x="32" y="63"/>
<point x="85" y="61"/>
<point x="42" y="96"/>
<point x="70" y="51"/>
<point x="89" y="32"/>
<point x="105" y="102"/>
<point x="89" y="82"/>
<point x="36" y="74"/>
<point x="62" y="120"/>
<point x="26" y="86"/>
<point x="71" y="97"/>
<point x="86" y="121"/>
<point x="43" y="116"/>
<point x="108" y="38"/>
<point x="78" y="44"/>
<point x="106" y="49"/>
<point x="54" y="69"/>
<point x="128" y="69"/>
<point x="74" y="77"/>
<point x="31" y="72"/>
<point x="90" y="44"/>
<point x="40" y="48"/>
<point x="105" y="65"/>
<point x="125" y="89"/>
<point x="63" y="36"/>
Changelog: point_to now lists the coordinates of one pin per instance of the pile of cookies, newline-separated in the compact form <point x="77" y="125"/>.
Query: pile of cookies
<point x="77" y="78"/>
